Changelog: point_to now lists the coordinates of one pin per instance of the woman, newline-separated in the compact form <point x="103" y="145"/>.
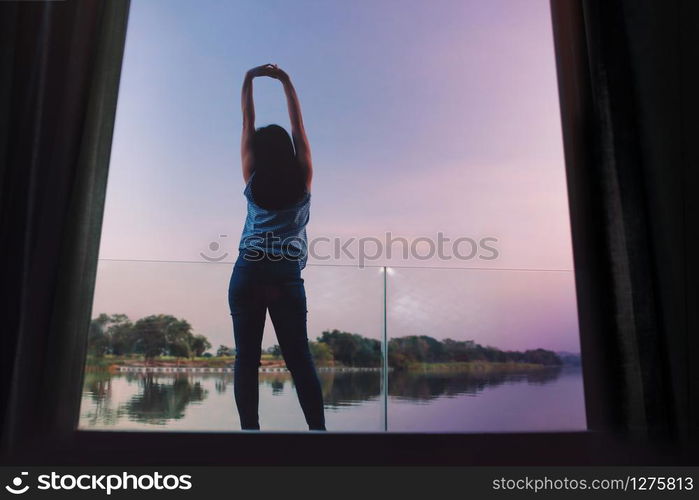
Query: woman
<point x="267" y="273"/>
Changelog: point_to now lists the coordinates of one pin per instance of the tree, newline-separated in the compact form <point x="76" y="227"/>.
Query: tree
<point x="178" y="336"/>
<point x="110" y="334"/>
<point x="275" y="351"/>
<point x="175" y="333"/>
<point x="542" y="356"/>
<point x="224" y="350"/>
<point x="199" y="345"/>
<point x="150" y="334"/>
<point x="321" y="353"/>
<point x="121" y="334"/>
<point x="352" y="349"/>
<point x="98" y="339"/>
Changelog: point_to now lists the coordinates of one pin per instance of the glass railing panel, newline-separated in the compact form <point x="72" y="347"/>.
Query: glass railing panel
<point x="464" y="351"/>
<point x="176" y="393"/>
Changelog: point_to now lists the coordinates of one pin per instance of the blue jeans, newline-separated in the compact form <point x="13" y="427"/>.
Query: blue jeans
<point x="274" y="285"/>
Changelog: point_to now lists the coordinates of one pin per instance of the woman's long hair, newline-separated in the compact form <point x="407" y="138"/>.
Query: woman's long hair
<point x="278" y="181"/>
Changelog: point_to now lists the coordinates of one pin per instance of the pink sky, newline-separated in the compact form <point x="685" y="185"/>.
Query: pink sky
<point x="423" y="117"/>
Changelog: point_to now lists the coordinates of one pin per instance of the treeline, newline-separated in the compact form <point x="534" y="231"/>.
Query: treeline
<point x="403" y="351"/>
<point x="152" y="336"/>
<point x="355" y="350"/>
<point x="165" y="335"/>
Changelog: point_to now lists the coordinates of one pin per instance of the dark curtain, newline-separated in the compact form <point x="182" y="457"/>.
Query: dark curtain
<point x="60" y="65"/>
<point x="632" y="105"/>
<point x="628" y="98"/>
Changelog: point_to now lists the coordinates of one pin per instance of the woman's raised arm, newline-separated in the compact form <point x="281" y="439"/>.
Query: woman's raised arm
<point x="248" y="108"/>
<point x="298" y="132"/>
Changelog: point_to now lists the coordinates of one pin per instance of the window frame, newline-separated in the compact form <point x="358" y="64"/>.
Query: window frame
<point x="63" y="443"/>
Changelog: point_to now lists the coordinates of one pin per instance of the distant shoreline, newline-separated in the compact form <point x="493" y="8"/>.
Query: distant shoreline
<point x="476" y="367"/>
<point x="224" y="364"/>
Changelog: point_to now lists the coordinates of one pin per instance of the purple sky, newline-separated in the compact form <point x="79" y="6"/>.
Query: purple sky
<point x="423" y="117"/>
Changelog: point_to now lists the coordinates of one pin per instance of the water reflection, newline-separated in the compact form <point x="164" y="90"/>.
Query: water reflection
<point x="156" y="399"/>
<point x="427" y="386"/>
<point x="345" y="389"/>
<point x="164" y="398"/>
<point x="353" y="400"/>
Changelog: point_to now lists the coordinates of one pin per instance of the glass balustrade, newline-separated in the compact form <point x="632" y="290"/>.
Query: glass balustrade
<point x="469" y="350"/>
<point x="175" y="392"/>
<point x="483" y="350"/>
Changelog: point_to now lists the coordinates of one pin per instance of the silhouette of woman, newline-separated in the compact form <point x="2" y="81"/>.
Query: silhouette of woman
<point x="273" y="250"/>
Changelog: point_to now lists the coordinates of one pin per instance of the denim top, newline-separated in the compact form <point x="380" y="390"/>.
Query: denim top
<point x="277" y="232"/>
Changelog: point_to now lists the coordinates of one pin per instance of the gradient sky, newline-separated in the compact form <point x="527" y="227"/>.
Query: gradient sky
<point x="423" y="117"/>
